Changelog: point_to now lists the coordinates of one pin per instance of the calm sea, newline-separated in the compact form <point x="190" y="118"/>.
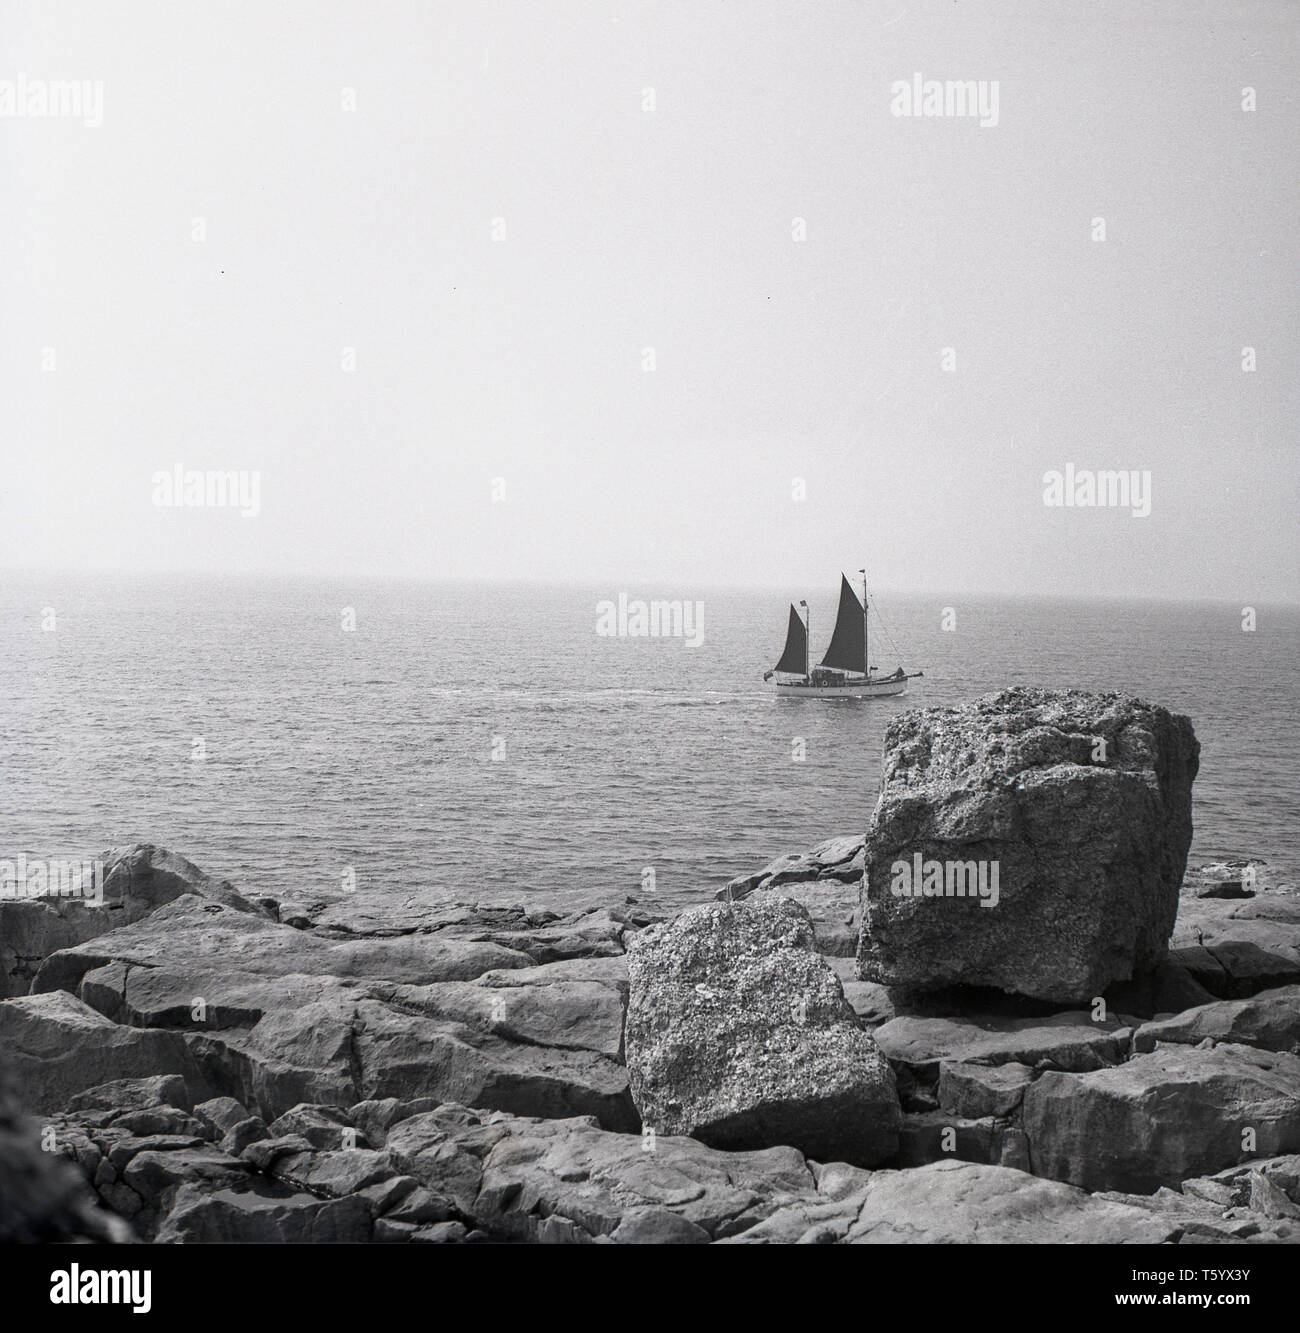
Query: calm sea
<point x="237" y="721"/>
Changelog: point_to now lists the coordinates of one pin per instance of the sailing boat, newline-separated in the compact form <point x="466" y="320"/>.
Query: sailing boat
<point x="844" y="673"/>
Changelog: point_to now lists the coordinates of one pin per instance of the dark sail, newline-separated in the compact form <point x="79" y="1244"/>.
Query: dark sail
<point x="795" y="657"/>
<point x="848" y="650"/>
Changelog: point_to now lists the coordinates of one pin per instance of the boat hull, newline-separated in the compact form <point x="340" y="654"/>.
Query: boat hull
<point x="851" y="689"/>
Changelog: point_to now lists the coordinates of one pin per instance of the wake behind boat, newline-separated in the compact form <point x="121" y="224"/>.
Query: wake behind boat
<point x="845" y="672"/>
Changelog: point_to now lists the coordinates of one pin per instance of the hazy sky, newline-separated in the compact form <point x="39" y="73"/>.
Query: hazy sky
<point x="672" y="228"/>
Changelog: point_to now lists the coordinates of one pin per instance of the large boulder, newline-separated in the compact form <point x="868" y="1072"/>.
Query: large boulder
<point x="1077" y="806"/>
<point x="739" y="1033"/>
<point x="140" y="878"/>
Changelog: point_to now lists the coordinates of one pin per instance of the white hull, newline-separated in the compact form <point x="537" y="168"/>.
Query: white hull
<point x="851" y="689"/>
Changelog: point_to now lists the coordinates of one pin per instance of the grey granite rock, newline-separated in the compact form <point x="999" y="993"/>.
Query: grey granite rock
<point x="1079" y="804"/>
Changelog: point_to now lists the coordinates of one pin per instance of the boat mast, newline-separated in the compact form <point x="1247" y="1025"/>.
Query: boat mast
<point x="807" y="641"/>
<point x="866" y="643"/>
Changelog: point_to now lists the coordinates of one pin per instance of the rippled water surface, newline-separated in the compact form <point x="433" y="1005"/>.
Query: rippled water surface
<point x="374" y="749"/>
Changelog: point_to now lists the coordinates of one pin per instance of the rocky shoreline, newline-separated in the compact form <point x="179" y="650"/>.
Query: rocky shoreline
<point x="807" y="1059"/>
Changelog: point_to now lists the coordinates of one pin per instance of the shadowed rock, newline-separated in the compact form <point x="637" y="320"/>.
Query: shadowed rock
<point x="1069" y="1041"/>
<point x="43" y="1197"/>
<point x="1235" y="948"/>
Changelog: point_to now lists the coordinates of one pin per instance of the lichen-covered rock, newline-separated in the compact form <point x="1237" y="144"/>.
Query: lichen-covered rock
<point x="739" y="1034"/>
<point x="1077" y="806"/>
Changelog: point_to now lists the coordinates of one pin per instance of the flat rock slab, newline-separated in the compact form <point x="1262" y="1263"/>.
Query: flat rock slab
<point x="564" y="1014"/>
<point x="1163" y="1118"/>
<point x="1069" y="1041"/>
<point x="594" y="930"/>
<point x="739" y="1034"/>
<point x="340" y="1047"/>
<point x="1080" y="804"/>
<point x="962" y="1203"/>
<point x="196" y="947"/>
<point x="1269" y="1020"/>
<point x="483" y="1062"/>
<point x="136" y="881"/>
<point x="570" y="1182"/>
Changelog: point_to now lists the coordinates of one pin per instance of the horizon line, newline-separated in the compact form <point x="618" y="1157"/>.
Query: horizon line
<point x="590" y="582"/>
